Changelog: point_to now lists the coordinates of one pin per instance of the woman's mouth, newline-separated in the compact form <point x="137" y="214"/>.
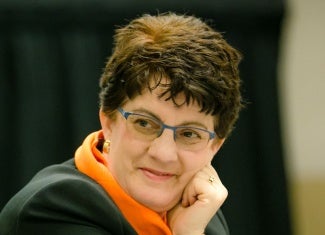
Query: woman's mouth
<point x="155" y="175"/>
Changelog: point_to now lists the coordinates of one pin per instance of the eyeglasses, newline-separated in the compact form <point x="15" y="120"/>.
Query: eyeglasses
<point x="147" y="128"/>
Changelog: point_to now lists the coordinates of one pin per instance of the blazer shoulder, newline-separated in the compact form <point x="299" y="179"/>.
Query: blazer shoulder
<point x="60" y="195"/>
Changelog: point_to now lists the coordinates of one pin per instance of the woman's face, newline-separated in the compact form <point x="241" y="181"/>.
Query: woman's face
<point x="156" y="172"/>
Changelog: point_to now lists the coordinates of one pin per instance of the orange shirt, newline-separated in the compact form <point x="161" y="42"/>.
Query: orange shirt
<point x="90" y="161"/>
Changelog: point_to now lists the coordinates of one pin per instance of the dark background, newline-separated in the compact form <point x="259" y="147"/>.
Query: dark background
<point x="51" y="56"/>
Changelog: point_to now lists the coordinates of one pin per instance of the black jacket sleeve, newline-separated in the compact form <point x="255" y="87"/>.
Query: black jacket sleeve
<point x="217" y="225"/>
<point x="61" y="200"/>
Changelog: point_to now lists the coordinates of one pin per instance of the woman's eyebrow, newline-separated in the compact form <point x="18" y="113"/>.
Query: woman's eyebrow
<point x="185" y="124"/>
<point x="193" y="124"/>
<point x="146" y="112"/>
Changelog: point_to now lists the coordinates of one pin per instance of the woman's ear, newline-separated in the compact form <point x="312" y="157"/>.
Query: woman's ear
<point x="106" y="124"/>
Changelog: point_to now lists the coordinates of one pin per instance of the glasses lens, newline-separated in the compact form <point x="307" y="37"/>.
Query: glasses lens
<point x="192" y="138"/>
<point x="144" y="127"/>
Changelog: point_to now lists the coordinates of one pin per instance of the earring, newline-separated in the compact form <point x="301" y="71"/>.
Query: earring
<point x="106" y="146"/>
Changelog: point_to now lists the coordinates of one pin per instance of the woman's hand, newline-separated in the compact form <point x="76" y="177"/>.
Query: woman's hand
<point x="202" y="197"/>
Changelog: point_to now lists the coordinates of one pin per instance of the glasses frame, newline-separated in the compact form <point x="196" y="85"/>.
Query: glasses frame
<point x="164" y="126"/>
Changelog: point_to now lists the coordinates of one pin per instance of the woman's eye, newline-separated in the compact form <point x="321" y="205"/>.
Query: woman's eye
<point x="143" y="123"/>
<point x="190" y="134"/>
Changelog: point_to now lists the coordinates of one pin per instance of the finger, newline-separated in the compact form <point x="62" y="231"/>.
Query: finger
<point x="198" y="185"/>
<point x="211" y="174"/>
<point x="211" y="178"/>
<point x="189" y="196"/>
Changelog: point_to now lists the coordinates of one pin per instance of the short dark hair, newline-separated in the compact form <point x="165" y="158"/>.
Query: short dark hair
<point x="195" y="58"/>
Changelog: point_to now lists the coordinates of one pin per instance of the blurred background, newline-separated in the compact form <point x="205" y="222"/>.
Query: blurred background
<point x="51" y="56"/>
<point x="301" y="85"/>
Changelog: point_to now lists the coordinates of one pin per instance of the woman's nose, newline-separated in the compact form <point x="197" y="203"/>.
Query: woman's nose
<point x="164" y="146"/>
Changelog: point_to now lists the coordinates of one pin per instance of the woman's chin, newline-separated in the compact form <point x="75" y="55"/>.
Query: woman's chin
<point x="159" y="203"/>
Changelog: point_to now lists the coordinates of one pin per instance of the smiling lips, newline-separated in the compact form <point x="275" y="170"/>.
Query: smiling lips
<point x="156" y="175"/>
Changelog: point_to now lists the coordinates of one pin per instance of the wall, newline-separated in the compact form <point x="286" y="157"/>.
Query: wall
<point x="302" y="85"/>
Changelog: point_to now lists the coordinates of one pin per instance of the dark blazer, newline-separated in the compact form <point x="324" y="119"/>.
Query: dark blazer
<point x="62" y="200"/>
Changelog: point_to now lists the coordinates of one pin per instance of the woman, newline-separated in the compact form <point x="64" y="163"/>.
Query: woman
<point x="169" y="98"/>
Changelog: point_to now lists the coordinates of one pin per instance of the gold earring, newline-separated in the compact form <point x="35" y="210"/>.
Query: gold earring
<point x="106" y="146"/>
